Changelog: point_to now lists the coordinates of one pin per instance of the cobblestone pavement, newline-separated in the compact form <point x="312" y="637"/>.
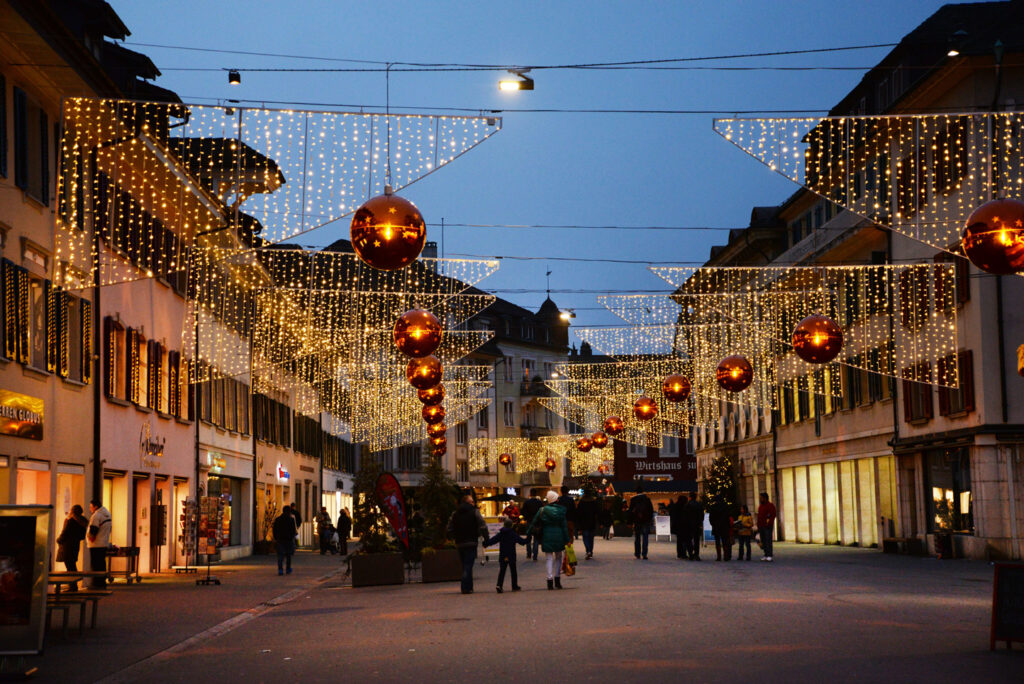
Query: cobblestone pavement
<point x="816" y="612"/>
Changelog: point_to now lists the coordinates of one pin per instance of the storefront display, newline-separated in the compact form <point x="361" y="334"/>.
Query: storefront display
<point x="229" y="489"/>
<point x="187" y="528"/>
<point x="211" y="524"/>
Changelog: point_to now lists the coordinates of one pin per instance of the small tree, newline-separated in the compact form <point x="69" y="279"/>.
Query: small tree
<point x="719" y="484"/>
<point x="368" y="522"/>
<point x="438" y="498"/>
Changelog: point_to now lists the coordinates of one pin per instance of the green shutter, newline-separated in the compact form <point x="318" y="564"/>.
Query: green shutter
<point x="85" y="310"/>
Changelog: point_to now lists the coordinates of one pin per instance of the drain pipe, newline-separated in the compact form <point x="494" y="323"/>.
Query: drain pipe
<point x="1012" y="456"/>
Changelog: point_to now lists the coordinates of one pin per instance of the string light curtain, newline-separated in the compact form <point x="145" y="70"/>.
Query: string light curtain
<point x="581" y="463"/>
<point x="141" y="183"/>
<point x="527" y="454"/>
<point x="921" y="175"/>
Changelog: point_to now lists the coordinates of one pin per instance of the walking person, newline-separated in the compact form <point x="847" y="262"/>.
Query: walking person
<point x="694" y="526"/>
<point x="766" y="514"/>
<point x="744" y="530"/>
<point x="641" y="512"/>
<point x="323" y="530"/>
<point x="284" y="530"/>
<point x="569" y="504"/>
<point x="506" y="539"/>
<point x="531" y="507"/>
<point x="677" y="526"/>
<point x="70" y="540"/>
<point x="97" y="539"/>
<point x="586" y="519"/>
<point x="344" y="530"/>
<point x="604" y="517"/>
<point x="465" y="527"/>
<point x="721" y="525"/>
<point x="555" y="535"/>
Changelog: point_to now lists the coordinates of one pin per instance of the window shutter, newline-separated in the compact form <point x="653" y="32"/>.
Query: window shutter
<point x="44" y="161"/>
<point x="152" y="398"/>
<point x="926" y="390"/>
<point x="23" y="316"/>
<point x="52" y="317"/>
<point x="963" y="280"/>
<point x="63" y="301"/>
<point x="3" y="126"/>
<point x="944" y="391"/>
<point x="188" y="367"/>
<point x="109" y="355"/>
<point x="85" y="310"/>
<point x="132" y="361"/>
<point x="10" y="281"/>
<point x="172" y="384"/>
<point x="20" y="139"/>
<point x="905" y="299"/>
<point x="967" y="378"/>
<point x="908" y="402"/>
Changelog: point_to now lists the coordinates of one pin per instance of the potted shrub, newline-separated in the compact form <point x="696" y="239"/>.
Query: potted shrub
<point x="438" y="497"/>
<point x="377" y="561"/>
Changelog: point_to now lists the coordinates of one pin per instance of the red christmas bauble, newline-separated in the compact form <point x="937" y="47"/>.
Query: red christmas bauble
<point x="424" y="373"/>
<point x="817" y="339"/>
<point x="675" y="388"/>
<point x="645" y="408"/>
<point x="603" y="469"/>
<point x="599" y="440"/>
<point x="435" y="429"/>
<point x="432" y="396"/>
<point x="439" y="441"/>
<point x="505" y="459"/>
<point x="388" y="232"/>
<point x="613" y="425"/>
<point x="439" y="451"/>
<point x="583" y="444"/>
<point x="417" y="333"/>
<point x="734" y="373"/>
<point x="433" y="414"/>
<point x="993" y="238"/>
<point x="550" y="464"/>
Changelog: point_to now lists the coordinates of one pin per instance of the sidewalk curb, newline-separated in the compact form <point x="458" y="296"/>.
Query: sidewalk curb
<point x="131" y="673"/>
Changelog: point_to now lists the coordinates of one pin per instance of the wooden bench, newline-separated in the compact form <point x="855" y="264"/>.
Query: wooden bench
<point x="53" y="606"/>
<point x="65" y="600"/>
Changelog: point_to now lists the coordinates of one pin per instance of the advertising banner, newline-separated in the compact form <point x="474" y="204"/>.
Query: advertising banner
<point x="392" y="502"/>
<point x="24" y="540"/>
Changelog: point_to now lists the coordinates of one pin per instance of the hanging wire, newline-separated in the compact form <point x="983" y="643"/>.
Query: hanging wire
<point x="387" y="118"/>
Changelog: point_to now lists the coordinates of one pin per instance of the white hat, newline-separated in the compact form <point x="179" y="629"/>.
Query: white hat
<point x="551" y="496"/>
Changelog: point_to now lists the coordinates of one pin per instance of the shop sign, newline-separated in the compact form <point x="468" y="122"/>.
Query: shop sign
<point x="511" y="491"/>
<point x="21" y="415"/>
<point x="151" y="449"/>
<point x="683" y="467"/>
<point x="216" y="462"/>
<point x="282" y="473"/>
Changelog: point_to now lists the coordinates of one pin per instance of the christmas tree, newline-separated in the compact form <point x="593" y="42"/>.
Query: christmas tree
<point x="719" y="484"/>
<point x="368" y="522"/>
<point x="438" y="498"/>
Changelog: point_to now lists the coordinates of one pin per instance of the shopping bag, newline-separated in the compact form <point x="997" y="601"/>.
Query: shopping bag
<point x="567" y="569"/>
<point x="570" y="554"/>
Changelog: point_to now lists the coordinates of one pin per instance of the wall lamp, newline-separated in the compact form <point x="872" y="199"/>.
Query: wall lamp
<point x="522" y="82"/>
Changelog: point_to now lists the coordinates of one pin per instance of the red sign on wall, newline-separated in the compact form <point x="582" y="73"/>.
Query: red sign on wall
<point x="679" y="466"/>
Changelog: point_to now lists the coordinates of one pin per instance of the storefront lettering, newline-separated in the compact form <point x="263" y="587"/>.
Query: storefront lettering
<point x="282" y="473"/>
<point x="151" y="449"/>
<point x="21" y="415"/>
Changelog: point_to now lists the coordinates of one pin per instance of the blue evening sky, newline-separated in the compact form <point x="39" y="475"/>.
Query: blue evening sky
<point x="551" y="168"/>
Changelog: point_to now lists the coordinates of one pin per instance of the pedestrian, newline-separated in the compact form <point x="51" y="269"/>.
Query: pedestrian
<point x="641" y="512"/>
<point x="465" y="526"/>
<point x="506" y="539"/>
<point x="721" y="529"/>
<point x="323" y="530"/>
<point x="284" y="530"/>
<point x="569" y="504"/>
<point x="97" y="539"/>
<point x="766" y="525"/>
<point x="530" y="510"/>
<point x="70" y="540"/>
<point x="511" y="512"/>
<point x="344" y="530"/>
<point x="744" y="530"/>
<point x="555" y="536"/>
<point x="586" y="519"/>
<point x="604" y="517"/>
<point x="295" y="514"/>
<point x="694" y="526"/>
<point x="677" y="526"/>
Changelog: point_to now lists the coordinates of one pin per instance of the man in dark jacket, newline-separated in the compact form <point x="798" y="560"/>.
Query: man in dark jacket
<point x="641" y="512"/>
<point x="678" y="527"/>
<point x="694" y="516"/>
<point x="465" y="527"/>
<point x="529" y="512"/>
<point x="344" y="530"/>
<point x="586" y="520"/>
<point x="721" y="528"/>
<point x="569" y="504"/>
<point x="284" y="537"/>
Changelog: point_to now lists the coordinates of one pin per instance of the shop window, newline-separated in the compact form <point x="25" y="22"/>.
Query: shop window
<point x="917" y="393"/>
<point x="38" y="296"/>
<point x="462" y="470"/>
<point x="31" y="148"/>
<point x="961" y="368"/>
<point x="950" y="506"/>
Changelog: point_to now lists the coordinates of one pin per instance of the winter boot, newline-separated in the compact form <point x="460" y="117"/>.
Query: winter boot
<point x="551" y="584"/>
<point x="558" y="583"/>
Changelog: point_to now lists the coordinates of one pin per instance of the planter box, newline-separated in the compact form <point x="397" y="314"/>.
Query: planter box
<point x="444" y="565"/>
<point x="374" y="569"/>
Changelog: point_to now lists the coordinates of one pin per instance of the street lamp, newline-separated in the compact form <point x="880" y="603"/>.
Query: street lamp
<point x="522" y="82"/>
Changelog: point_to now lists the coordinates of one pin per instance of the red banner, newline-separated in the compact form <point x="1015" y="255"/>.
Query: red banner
<point x="392" y="502"/>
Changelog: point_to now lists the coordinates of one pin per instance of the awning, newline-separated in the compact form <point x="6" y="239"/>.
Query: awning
<point x="666" y="486"/>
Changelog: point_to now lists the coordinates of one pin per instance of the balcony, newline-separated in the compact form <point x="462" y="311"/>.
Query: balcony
<point x="534" y="388"/>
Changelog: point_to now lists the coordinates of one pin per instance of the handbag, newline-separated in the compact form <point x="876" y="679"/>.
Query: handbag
<point x="570" y="554"/>
<point x="60" y="553"/>
<point x="567" y="569"/>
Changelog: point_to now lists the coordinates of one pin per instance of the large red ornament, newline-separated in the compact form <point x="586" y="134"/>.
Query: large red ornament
<point x="388" y="232"/>
<point x="432" y="396"/>
<point x="424" y="373"/>
<point x="599" y="440"/>
<point x="439" y="451"/>
<point x="817" y="339"/>
<point x="583" y="444"/>
<point x="613" y="425"/>
<point x="439" y="441"/>
<point x="417" y="333"/>
<point x="550" y="464"/>
<point x="603" y="469"/>
<point x="433" y="414"/>
<point x="993" y="238"/>
<point x="505" y="460"/>
<point x="645" y="408"/>
<point x="734" y="373"/>
<point x="675" y="388"/>
<point x="435" y="429"/>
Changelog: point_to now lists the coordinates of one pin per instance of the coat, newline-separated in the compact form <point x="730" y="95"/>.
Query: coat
<point x="71" y="537"/>
<point x="465" y="525"/>
<point x="284" y="529"/>
<point x="694" y="516"/>
<point x="531" y="508"/>
<point x="641" y="510"/>
<point x="555" y="533"/>
<point x="677" y="517"/>
<point x="586" y="514"/>
<point x="506" y="539"/>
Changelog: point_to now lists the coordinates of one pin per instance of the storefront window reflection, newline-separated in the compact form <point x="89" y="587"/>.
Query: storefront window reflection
<point x="230" y="490"/>
<point x="950" y="506"/>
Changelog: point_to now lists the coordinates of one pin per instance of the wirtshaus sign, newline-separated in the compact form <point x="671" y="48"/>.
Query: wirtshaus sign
<point x="651" y="462"/>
